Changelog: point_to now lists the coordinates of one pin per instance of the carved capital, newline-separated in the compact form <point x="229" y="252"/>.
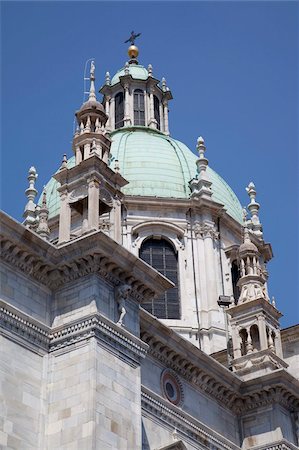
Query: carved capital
<point x="205" y="230"/>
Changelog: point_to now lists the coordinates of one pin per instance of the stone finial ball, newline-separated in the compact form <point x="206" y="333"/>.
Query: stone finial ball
<point x="133" y="51"/>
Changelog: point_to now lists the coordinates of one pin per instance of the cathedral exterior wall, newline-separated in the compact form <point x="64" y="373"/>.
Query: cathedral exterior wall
<point x="270" y="424"/>
<point x="194" y="402"/>
<point x="23" y="401"/>
<point x="94" y="400"/>
<point x="290" y="348"/>
<point x="28" y="295"/>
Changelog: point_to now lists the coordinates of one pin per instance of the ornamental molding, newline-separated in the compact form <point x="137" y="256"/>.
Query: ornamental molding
<point x="186" y="426"/>
<point x="36" y="336"/>
<point x="96" y="253"/>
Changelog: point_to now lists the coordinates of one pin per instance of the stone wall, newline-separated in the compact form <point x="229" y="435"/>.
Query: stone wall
<point x="25" y="294"/>
<point x="23" y="401"/>
<point x="207" y="411"/>
<point x="94" y="400"/>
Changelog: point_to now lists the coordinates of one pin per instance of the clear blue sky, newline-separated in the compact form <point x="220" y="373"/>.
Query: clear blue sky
<point x="233" y="71"/>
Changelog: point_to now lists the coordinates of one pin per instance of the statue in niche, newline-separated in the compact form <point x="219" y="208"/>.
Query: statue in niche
<point x="121" y="296"/>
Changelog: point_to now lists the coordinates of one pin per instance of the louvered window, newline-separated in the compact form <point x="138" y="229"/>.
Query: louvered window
<point x="139" y="114"/>
<point x="157" y="111"/>
<point x="119" y="110"/>
<point x="161" y="255"/>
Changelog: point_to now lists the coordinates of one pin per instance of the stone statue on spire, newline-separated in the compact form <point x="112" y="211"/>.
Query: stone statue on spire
<point x="92" y="70"/>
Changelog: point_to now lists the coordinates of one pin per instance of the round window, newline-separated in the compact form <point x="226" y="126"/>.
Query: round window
<point x="171" y="387"/>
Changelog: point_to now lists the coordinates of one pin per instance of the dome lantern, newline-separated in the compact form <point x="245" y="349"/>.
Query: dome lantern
<point x="133" y="97"/>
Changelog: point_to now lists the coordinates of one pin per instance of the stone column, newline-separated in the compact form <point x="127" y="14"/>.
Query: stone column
<point x="64" y="233"/>
<point x="117" y="219"/>
<point x="152" y="122"/>
<point x="262" y="332"/>
<point x="278" y="345"/>
<point x="127" y="120"/>
<point x="86" y="151"/>
<point x="165" y="109"/>
<point x="208" y="235"/>
<point x="93" y="204"/>
<point x="161" y="117"/>
<point x="236" y="342"/>
<point x="112" y="114"/>
<point x="78" y="155"/>
<point x="107" y="110"/>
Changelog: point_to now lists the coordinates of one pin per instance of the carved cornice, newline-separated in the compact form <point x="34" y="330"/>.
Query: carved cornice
<point x="94" y="253"/>
<point x="35" y="335"/>
<point x="186" y="425"/>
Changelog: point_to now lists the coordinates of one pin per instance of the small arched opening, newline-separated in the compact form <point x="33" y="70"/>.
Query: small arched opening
<point x="235" y="273"/>
<point x="139" y="110"/>
<point x="243" y="335"/>
<point x="255" y="338"/>
<point x="157" y="111"/>
<point x="119" y="110"/>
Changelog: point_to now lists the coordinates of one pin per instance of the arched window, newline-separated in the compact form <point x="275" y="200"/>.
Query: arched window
<point x="255" y="338"/>
<point x="243" y="335"/>
<point x="119" y="110"/>
<point x="157" y="111"/>
<point x="161" y="255"/>
<point x="235" y="278"/>
<point x="139" y="114"/>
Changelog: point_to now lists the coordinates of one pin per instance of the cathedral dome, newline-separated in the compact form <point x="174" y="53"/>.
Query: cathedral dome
<point x="137" y="72"/>
<point x="155" y="165"/>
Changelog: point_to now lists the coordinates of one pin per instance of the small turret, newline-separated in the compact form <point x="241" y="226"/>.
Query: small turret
<point x="201" y="185"/>
<point x="43" y="228"/>
<point x="254" y="320"/>
<point x="91" y="118"/>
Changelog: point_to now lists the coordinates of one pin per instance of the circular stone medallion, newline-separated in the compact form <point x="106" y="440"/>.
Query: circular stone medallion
<point x="171" y="387"/>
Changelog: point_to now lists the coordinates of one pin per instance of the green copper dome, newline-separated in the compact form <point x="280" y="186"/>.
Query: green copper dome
<point x="137" y="72"/>
<point x="155" y="166"/>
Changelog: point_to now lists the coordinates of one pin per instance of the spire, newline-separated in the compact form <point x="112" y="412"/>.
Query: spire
<point x="254" y="207"/>
<point x="29" y="212"/>
<point x="150" y="70"/>
<point x="107" y="79"/>
<point x="92" y="90"/>
<point x="201" y="185"/>
<point x="43" y="228"/>
<point x="63" y="163"/>
<point x="127" y="68"/>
